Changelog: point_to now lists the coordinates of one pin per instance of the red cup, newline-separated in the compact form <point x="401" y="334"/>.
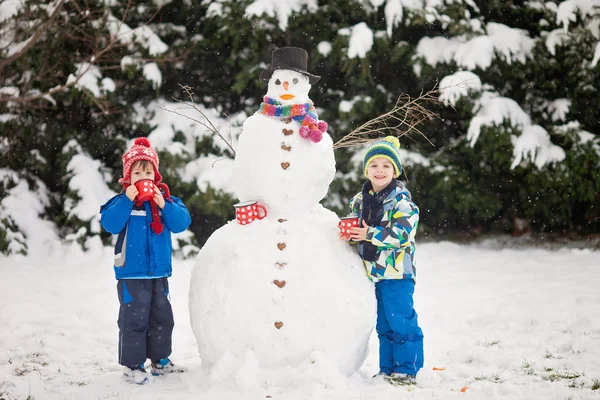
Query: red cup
<point x="346" y="224"/>
<point x="145" y="189"/>
<point x="249" y="211"/>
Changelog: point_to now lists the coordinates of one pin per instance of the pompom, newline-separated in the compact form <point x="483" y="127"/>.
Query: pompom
<point x="316" y="135"/>
<point x="142" y="141"/>
<point x="393" y="140"/>
<point x="304" y="132"/>
<point x="322" y="125"/>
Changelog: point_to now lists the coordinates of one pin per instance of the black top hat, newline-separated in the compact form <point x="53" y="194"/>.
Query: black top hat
<point x="292" y="58"/>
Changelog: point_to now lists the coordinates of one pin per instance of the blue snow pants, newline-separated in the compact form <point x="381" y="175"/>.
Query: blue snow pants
<point x="145" y="320"/>
<point x="400" y="338"/>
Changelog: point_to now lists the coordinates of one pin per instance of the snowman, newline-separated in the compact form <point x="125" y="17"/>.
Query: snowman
<point x="276" y="287"/>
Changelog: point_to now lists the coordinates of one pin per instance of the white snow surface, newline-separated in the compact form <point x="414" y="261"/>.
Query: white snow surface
<point x="282" y="9"/>
<point x="506" y="323"/>
<point x="457" y="85"/>
<point x="86" y="77"/>
<point x="568" y="10"/>
<point x="324" y="48"/>
<point x="86" y="179"/>
<point x="510" y="44"/>
<point x="10" y="8"/>
<point x="493" y="109"/>
<point x="143" y="35"/>
<point x="153" y="74"/>
<point x="596" y="56"/>
<point x="534" y="144"/>
<point x="361" y="40"/>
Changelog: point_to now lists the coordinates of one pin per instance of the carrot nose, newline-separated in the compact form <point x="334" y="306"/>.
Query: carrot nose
<point x="286" y="85"/>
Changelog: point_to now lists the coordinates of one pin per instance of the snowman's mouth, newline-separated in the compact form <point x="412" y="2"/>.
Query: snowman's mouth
<point x="287" y="96"/>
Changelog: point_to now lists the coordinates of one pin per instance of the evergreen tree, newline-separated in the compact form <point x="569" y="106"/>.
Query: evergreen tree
<point x="517" y="138"/>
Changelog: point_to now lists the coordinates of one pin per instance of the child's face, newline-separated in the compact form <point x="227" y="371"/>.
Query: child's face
<point x="380" y="172"/>
<point x="138" y="172"/>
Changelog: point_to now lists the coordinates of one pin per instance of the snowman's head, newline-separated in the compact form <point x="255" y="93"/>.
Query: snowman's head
<point x="288" y="87"/>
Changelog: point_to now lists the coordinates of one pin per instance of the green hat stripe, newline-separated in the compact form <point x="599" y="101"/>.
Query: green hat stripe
<point x="383" y="149"/>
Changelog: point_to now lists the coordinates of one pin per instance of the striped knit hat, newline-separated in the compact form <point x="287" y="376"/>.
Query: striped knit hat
<point x="386" y="148"/>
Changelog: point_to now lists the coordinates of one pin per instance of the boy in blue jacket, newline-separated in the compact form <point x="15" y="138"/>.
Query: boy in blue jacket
<point x="386" y="243"/>
<point x="143" y="264"/>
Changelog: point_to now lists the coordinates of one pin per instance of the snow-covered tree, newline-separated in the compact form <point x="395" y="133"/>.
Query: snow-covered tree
<point x="517" y="141"/>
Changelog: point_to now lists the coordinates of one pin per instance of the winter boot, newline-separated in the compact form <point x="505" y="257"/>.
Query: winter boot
<point x="164" y="366"/>
<point x="400" y="379"/>
<point x="136" y="374"/>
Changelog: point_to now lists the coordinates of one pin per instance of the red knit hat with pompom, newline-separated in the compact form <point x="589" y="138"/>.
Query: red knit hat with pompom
<point x="141" y="150"/>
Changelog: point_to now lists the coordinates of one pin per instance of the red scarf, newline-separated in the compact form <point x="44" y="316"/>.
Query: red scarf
<point x="156" y="225"/>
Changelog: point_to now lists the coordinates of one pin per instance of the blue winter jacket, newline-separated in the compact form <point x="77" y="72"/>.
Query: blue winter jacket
<point x="139" y="252"/>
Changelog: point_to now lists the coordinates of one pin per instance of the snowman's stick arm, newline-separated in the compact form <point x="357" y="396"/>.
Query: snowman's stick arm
<point x="207" y="123"/>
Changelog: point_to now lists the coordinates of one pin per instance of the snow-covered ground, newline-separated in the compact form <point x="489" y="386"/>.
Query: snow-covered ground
<point x="505" y="323"/>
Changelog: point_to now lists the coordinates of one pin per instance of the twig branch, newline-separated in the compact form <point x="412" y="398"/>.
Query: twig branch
<point x="403" y="119"/>
<point x="206" y="122"/>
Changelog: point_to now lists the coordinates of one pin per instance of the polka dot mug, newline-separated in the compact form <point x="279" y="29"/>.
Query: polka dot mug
<point x="346" y="223"/>
<point x="249" y="211"/>
<point x="145" y="189"/>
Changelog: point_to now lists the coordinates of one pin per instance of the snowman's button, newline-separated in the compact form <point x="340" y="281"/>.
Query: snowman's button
<point x="286" y="148"/>
<point x="287" y="120"/>
<point x="278" y="324"/>
<point x="279" y="284"/>
<point x="285" y="165"/>
<point x="287" y="132"/>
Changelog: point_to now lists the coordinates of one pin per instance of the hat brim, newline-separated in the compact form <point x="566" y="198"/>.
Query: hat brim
<point x="267" y="73"/>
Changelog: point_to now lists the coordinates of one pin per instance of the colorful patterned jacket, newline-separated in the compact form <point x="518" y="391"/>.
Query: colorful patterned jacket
<point x="394" y="237"/>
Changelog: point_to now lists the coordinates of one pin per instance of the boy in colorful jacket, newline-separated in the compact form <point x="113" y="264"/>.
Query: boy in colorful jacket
<point x="386" y="243"/>
<point x="143" y="263"/>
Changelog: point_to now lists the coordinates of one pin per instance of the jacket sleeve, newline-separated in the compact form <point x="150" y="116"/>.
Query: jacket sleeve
<point x="115" y="213"/>
<point x="176" y="215"/>
<point x="402" y="229"/>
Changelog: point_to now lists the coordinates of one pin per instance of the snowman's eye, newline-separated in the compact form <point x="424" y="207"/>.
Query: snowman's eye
<point x="295" y="80"/>
<point x="278" y="82"/>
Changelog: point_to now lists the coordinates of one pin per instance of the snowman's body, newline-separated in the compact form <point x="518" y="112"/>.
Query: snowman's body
<point x="284" y="287"/>
<point x="301" y="177"/>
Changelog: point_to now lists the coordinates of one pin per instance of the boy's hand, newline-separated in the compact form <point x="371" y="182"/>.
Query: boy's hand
<point x="357" y="234"/>
<point x="343" y="237"/>
<point x="158" y="197"/>
<point x="131" y="192"/>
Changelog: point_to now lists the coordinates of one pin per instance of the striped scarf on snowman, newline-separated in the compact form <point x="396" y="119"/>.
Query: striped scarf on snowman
<point x="304" y="113"/>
